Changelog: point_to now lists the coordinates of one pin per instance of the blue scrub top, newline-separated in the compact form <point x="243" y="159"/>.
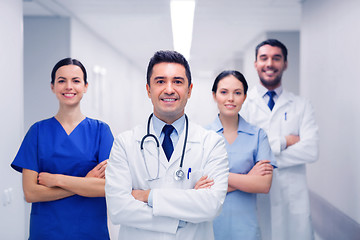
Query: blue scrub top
<point x="238" y="218"/>
<point x="48" y="148"/>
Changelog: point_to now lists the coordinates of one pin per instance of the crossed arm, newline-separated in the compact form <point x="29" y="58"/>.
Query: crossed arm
<point x="258" y="180"/>
<point x="143" y="195"/>
<point x="43" y="187"/>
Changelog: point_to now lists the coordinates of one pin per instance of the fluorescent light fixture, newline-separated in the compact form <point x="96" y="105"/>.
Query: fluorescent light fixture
<point x="182" y="21"/>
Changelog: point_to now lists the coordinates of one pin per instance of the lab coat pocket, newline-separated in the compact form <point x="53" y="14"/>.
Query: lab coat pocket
<point x="290" y="124"/>
<point x="191" y="178"/>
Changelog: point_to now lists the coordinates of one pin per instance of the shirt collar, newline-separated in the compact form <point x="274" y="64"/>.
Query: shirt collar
<point x="243" y="126"/>
<point x="158" y="125"/>
<point x="217" y="125"/>
<point x="263" y="90"/>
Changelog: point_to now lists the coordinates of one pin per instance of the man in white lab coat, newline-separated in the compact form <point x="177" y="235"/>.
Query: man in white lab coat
<point x="146" y="193"/>
<point x="289" y="121"/>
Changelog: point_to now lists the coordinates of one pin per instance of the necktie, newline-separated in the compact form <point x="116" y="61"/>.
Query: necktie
<point x="271" y="102"/>
<point x="167" y="143"/>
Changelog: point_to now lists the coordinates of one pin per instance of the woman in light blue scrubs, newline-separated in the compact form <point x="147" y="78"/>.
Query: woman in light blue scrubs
<point x="251" y="161"/>
<point x="63" y="161"/>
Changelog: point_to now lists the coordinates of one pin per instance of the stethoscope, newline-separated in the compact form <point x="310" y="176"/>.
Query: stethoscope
<point x="178" y="174"/>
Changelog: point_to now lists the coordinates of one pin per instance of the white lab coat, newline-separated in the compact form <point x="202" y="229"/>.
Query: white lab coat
<point x="172" y="200"/>
<point x="289" y="214"/>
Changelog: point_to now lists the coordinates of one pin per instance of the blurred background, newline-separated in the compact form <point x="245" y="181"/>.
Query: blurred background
<point x="115" y="39"/>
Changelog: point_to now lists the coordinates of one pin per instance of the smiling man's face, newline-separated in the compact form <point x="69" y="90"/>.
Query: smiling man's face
<point x="169" y="91"/>
<point x="270" y="65"/>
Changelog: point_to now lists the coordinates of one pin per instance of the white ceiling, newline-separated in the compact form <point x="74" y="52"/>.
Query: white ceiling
<point x="138" y="28"/>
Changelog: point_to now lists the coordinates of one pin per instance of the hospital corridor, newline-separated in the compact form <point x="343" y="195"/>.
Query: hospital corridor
<point x="114" y="41"/>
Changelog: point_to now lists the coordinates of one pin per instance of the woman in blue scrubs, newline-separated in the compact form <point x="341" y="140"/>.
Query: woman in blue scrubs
<point x="63" y="161"/>
<point x="251" y="161"/>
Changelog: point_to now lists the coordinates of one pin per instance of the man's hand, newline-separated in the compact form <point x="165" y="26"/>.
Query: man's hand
<point x="204" y="182"/>
<point x="141" y="195"/>
<point x="98" y="171"/>
<point x="291" y="140"/>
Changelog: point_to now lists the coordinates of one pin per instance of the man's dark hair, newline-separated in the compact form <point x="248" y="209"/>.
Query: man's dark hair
<point x="168" y="57"/>
<point x="273" y="43"/>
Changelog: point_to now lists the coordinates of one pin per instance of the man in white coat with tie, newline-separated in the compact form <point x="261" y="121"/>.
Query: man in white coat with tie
<point x="289" y="122"/>
<point x="168" y="178"/>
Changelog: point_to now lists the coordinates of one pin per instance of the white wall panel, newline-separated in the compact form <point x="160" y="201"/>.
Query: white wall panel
<point x="12" y="221"/>
<point x="330" y="52"/>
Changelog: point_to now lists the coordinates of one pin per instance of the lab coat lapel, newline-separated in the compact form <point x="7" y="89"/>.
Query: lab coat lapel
<point x="259" y="101"/>
<point x="149" y="149"/>
<point x="163" y="160"/>
<point x="176" y="156"/>
<point x="193" y="138"/>
<point x="283" y="100"/>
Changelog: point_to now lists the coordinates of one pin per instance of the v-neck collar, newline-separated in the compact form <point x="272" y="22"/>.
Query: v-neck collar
<point x="63" y="129"/>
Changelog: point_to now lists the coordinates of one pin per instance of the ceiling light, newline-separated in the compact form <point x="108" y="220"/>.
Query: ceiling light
<point x="182" y="21"/>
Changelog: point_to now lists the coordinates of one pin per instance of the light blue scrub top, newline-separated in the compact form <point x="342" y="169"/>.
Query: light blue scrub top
<point x="238" y="219"/>
<point x="48" y="148"/>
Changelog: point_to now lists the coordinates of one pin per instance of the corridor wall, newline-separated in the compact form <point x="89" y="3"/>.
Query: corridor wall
<point x="12" y="223"/>
<point x="330" y="36"/>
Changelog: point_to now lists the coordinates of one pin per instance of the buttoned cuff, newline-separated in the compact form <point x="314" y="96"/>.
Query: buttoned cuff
<point x="150" y="199"/>
<point x="282" y="143"/>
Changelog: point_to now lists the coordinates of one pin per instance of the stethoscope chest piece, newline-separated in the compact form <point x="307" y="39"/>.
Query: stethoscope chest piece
<point x="179" y="174"/>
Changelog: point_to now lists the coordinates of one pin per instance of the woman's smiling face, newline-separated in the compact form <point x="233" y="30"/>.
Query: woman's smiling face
<point x="229" y="96"/>
<point x="69" y="85"/>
